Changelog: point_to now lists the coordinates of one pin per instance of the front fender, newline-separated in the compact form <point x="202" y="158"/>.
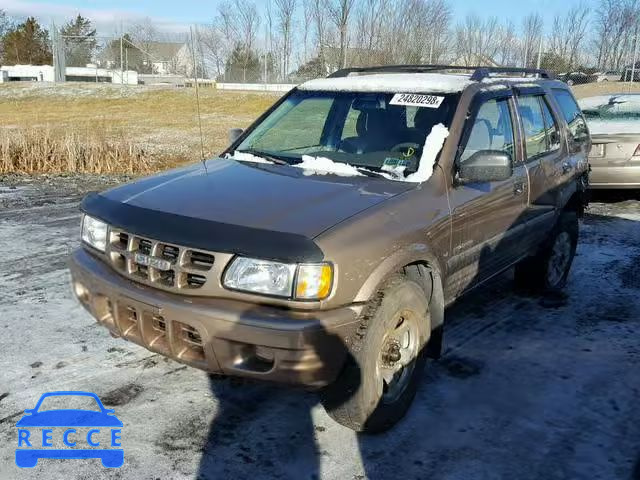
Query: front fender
<point x="413" y="253"/>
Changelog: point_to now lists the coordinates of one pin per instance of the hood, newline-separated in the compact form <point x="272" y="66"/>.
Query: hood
<point x="267" y="201"/>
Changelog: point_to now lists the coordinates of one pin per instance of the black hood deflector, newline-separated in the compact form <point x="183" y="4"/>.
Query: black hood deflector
<point x="203" y="234"/>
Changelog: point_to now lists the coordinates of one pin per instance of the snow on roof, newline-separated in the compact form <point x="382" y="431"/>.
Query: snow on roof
<point x="392" y="83"/>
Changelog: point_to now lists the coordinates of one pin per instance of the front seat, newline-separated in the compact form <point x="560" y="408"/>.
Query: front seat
<point x="374" y="129"/>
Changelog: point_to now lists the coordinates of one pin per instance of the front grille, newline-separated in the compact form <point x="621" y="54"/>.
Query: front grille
<point x="159" y="264"/>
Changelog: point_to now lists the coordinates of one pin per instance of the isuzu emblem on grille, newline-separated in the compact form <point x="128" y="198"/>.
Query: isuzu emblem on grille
<point x="153" y="262"/>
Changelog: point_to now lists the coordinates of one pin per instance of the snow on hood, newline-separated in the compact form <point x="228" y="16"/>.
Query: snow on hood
<point x="324" y="166"/>
<point x="432" y="146"/>
<point x="247" y="157"/>
<point x="391" y="83"/>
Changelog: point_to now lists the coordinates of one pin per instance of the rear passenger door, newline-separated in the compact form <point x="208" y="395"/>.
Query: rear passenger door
<point x="543" y="154"/>
<point x="487" y="216"/>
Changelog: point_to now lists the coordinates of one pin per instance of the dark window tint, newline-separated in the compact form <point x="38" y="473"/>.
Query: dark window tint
<point x="534" y="126"/>
<point x="572" y="114"/>
<point x="492" y="129"/>
<point x="551" y="126"/>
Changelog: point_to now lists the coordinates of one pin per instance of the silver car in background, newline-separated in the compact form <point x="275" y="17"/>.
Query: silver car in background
<point x="614" y="122"/>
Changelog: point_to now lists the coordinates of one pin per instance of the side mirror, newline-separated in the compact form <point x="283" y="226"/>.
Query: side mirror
<point x="234" y="134"/>
<point x="486" y="166"/>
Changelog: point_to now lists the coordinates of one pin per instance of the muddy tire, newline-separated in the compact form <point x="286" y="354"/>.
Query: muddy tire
<point x="548" y="270"/>
<point x="386" y="361"/>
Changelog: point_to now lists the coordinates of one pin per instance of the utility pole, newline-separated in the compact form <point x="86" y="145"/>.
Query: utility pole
<point x="540" y="52"/>
<point x="121" y="55"/>
<point x="635" y="59"/>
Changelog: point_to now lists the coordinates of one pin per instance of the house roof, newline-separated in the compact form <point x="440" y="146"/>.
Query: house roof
<point x="164" y="51"/>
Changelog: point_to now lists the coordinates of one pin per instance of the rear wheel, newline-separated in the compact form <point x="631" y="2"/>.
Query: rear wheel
<point x="379" y="380"/>
<point x="549" y="268"/>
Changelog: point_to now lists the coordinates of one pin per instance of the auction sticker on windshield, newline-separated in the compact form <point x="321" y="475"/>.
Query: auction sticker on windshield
<point x="416" y="100"/>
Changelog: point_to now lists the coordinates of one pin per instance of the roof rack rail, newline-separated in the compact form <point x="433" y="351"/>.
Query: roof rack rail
<point x="479" y="73"/>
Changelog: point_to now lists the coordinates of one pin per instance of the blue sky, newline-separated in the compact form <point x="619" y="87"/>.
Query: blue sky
<point x="176" y="14"/>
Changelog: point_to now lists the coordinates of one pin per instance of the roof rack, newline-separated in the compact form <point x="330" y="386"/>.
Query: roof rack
<point x="479" y="73"/>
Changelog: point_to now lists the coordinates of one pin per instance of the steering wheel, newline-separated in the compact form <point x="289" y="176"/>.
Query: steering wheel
<point x="408" y="149"/>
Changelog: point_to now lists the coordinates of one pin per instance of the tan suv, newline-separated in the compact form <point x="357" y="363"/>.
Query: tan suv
<point x="322" y="248"/>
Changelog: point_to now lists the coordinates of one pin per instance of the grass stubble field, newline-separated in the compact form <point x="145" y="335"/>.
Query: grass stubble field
<point x="88" y="128"/>
<point x="107" y="129"/>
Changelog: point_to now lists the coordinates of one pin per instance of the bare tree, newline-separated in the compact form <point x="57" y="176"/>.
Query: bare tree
<point x="340" y="13"/>
<point x="307" y="21"/>
<point x="477" y="40"/>
<point x="285" y="10"/>
<point x="320" y="20"/>
<point x="214" y="46"/>
<point x="568" y="34"/>
<point x="145" y="35"/>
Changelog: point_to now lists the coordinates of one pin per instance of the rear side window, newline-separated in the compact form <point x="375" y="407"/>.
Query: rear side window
<point x="533" y="125"/>
<point x="551" y="126"/>
<point x="491" y="130"/>
<point x="572" y="114"/>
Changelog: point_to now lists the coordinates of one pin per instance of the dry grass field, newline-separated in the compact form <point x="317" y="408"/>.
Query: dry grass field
<point x="106" y="129"/>
<point x="99" y="128"/>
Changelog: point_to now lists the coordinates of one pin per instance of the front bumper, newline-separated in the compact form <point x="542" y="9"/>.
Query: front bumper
<point x="235" y="338"/>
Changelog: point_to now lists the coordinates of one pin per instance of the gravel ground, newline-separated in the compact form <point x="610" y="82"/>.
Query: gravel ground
<point x="529" y="387"/>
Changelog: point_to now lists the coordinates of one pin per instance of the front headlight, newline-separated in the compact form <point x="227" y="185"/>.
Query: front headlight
<point x="304" y="282"/>
<point x="94" y="232"/>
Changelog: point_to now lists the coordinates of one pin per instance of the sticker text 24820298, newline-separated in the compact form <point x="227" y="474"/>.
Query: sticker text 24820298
<point x="416" y="100"/>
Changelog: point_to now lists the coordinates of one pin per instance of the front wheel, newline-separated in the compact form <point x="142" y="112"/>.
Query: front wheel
<point x="379" y="380"/>
<point x="549" y="269"/>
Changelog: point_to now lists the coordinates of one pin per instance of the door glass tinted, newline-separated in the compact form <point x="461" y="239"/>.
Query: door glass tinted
<point x="573" y="115"/>
<point x="551" y="126"/>
<point x="533" y="125"/>
<point x="491" y="130"/>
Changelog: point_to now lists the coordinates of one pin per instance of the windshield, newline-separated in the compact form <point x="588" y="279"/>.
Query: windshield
<point x="617" y="107"/>
<point x="375" y="131"/>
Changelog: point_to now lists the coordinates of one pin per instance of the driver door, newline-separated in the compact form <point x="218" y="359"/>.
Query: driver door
<point x="487" y="217"/>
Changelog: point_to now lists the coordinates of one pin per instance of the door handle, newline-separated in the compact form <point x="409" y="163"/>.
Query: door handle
<point x="566" y="167"/>
<point x="518" y="188"/>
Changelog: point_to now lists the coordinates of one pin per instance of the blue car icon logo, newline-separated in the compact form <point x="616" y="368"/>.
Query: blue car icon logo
<point x="41" y="431"/>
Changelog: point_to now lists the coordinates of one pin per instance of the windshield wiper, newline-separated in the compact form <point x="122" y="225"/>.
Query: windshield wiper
<point x="266" y="156"/>
<point x="371" y="173"/>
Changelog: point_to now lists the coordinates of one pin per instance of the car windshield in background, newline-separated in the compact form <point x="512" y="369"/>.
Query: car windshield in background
<point x="617" y="107"/>
<point x="374" y="131"/>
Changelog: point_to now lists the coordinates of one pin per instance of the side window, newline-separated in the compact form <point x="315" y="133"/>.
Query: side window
<point x="533" y="125"/>
<point x="551" y="126"/>
<point x="491" y="130"/>
<point x="572" y="114"/>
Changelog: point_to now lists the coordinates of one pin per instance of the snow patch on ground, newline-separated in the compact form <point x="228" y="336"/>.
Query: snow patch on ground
<point x="325" y="166"/>
<point x="432" y="146"/>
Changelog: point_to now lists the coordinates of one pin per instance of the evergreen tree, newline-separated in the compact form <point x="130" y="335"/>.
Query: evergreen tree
<point x="27" y="43"/>
<point x="81" y="45"/>
<point x="5" y="27"/>
<point x="243" y="65"/>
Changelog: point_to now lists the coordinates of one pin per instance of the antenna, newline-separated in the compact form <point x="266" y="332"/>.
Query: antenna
<point x="195" y="81"/>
